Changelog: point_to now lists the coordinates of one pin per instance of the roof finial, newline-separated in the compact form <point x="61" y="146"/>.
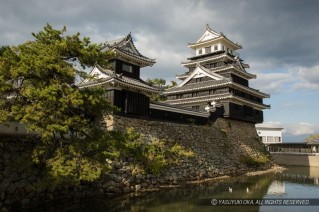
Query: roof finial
<point x="129" y="36"/>
<point x="207" y="27"/>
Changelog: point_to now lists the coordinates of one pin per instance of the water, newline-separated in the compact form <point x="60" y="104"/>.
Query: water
<point x="295" y="182"/>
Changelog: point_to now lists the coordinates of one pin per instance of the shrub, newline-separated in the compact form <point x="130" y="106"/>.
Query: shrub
<point x="250" y="161"/>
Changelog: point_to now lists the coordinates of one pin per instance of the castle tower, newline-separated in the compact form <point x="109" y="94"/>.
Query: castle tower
<point x="217" y="78"/>
<point x="126" y="90"/>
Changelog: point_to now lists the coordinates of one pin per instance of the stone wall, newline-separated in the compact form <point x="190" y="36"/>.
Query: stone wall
<point x="217" y="151"/>
<point x="218" y="147"/>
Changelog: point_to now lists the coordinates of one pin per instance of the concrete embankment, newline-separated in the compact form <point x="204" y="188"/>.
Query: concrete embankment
<point x="296" y="159"/>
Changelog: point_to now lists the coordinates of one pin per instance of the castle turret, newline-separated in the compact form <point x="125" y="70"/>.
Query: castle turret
<point x="125" y="89"/>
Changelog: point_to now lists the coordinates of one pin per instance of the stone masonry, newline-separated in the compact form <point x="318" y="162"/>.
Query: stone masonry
<point x="217" y="149"/>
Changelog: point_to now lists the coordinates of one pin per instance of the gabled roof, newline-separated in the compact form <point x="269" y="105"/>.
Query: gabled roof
<point x="210" y="35"/>
<point x="108" y="77"/>
<point x="201" y="71"/>
<point x="198" y="86"/>
<point x="125" y="47"/>
<point x="238" y="67"/>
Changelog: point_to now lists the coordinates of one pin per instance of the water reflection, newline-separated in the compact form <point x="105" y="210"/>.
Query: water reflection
<point x="295" y="182"/>
<point x="276" y="188"/>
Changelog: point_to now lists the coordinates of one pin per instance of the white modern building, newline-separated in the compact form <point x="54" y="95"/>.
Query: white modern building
<point x="269" y="135"/>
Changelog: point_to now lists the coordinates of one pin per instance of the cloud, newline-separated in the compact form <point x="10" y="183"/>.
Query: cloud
<point x="272" y="83"/>
<point x="274" y="124"/>
<point x="290" y="80"/>
<point x="301" y="128"/>
<point x="308" y="78"/>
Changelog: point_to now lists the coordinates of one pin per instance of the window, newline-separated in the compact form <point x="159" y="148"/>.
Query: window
<point x="187" y="95"/>
<point x="127" y="68"/>
<point x="203" y="93"/>
<point x="215" y="48"/>
<point x="199" y="79"/>
<point x="208" y="49"/>
<point x="195" y="107"/>
<point x="270" y="139"/>
<point x="171" y="97"/>
<point x="264" y="139"/>
<point x="112" y="65"/>
<point x="200" y="51"/>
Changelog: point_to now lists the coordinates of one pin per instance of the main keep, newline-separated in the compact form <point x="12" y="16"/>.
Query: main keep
<point x="217" y="79"/>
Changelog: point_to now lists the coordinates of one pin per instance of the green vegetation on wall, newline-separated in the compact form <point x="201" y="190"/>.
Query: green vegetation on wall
<point x="87" y="160"/>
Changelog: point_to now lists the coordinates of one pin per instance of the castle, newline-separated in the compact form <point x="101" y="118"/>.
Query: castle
<point x="216" y="83"/>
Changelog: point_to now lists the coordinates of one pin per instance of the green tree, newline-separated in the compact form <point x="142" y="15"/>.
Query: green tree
<point x="38" y="84"/>
<point x="312" y="138"/>
<point x="159" y="82"/>
<point x="2" y="49"/>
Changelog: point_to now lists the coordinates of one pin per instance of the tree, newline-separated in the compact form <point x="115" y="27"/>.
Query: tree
<point x="2" y="49"/>
<point x="162" y="84"/>
<point x="312" y="138"/>
<point x="38" y="84"/>
<point x="157" y="82"/>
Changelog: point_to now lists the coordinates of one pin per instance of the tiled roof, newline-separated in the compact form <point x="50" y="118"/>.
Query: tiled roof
<point x="205" y="58"/>
<point x="198" y="99"/>
<point x="179" y="109"/>
<point x="198" y="86"/>
<point x="214" y="97"/>
<point x="138" y="84"/>
<point x="119" y="78"/>
<point x="141" y="57"/>
<point x="126" y="46"/>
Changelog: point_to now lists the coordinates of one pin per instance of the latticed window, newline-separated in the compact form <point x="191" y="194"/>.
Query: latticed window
<point x="277" y="139"/>
<point x="208" y="49"/>
<point x="270" y="139"/>
<point x="127" y="68"/>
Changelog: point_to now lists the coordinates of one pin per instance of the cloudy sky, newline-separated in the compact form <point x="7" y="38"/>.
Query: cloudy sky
<point x="280" y="41"/>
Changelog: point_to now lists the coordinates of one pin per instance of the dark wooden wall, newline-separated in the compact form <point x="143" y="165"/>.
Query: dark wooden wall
<point x="129" y="102"/>
<point x="243" y="113"/>
<point x="176" y="117"/>
<point x="118" y="67"/>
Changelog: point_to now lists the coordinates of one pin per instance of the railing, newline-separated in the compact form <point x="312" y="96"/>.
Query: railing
<point x="295" y="153"/>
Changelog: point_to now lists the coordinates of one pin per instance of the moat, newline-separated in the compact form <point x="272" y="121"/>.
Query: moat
<point x="295" y="182"/>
